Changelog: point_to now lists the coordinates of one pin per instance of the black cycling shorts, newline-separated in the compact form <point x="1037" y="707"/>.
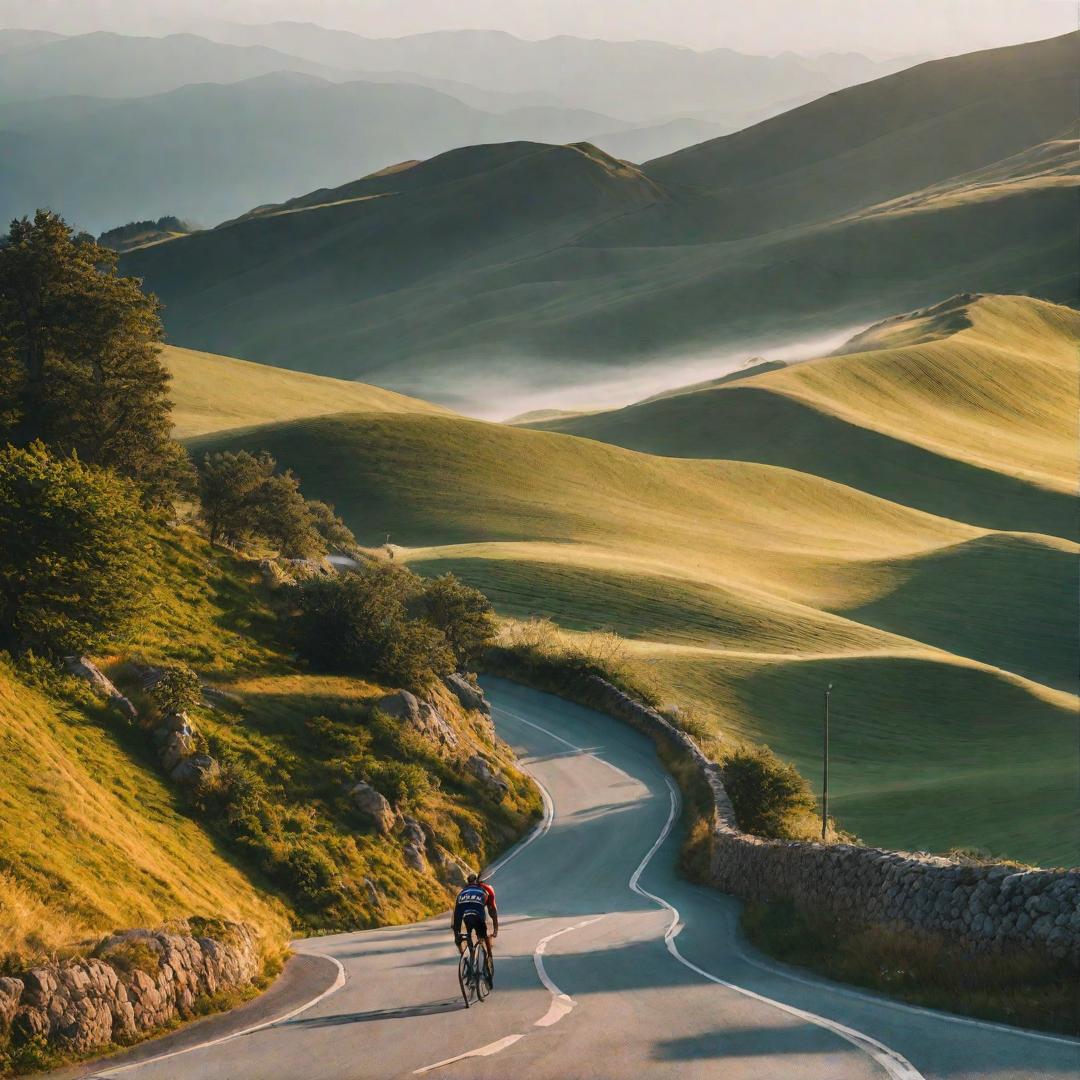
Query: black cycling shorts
<point x="476" y="923"/>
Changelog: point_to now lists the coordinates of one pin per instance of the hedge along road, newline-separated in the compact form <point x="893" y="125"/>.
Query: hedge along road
<point x="608" y="964"/>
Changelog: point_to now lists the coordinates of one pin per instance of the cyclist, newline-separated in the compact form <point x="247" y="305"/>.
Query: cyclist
<point x="474" y="902"/>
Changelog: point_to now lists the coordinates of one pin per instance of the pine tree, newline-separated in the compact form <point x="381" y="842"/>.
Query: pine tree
<point x="79" y="357"/>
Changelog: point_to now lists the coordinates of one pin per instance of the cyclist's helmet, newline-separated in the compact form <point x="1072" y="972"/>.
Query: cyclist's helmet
<point x="473" y="879"/>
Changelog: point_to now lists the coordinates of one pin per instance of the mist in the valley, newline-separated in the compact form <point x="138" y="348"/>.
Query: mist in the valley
<point x="530" y="385"/>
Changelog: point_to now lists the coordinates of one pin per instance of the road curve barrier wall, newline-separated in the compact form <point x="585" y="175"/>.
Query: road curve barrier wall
<point x="986" y="907"/>
<point x="138" y="982"/>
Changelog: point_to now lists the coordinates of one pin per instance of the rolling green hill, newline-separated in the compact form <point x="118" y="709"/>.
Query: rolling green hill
<point x="744" y="586"/>
<point x="514" y="267"/>
<point x="967" y="409"/>
<point x="218" y="393"/>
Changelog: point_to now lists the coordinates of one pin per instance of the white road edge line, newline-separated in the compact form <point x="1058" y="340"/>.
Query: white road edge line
<point x="542" y="827"/>
<point x="338" y="983"/>
<point x="561" y="1003"/>
<point x="483" y="1051"/>
<point x="896" y="1065"/>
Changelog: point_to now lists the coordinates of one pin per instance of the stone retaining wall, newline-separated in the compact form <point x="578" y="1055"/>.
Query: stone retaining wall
<point x="137" y="981"/>
<point x="986" y="907"/>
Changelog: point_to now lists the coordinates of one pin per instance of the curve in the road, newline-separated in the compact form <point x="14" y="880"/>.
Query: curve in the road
<point x="609" y="964"/>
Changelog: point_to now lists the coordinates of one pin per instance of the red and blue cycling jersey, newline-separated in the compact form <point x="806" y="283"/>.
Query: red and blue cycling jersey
<point x="473" y="904"/>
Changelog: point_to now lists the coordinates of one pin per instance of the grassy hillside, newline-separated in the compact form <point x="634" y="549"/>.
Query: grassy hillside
<point x="744" y="588"/>
<point x="215" y="393"/>
<point x="95" y="837"/>
<point x="454" y="285"/>
<point x="966" y="409"/>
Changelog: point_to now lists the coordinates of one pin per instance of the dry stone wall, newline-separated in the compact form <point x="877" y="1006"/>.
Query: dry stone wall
<point x="137" y="981"/>
<point x="986" y="907"/>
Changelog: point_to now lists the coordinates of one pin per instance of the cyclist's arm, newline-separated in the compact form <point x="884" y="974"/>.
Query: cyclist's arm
<point x="493" y="910"/>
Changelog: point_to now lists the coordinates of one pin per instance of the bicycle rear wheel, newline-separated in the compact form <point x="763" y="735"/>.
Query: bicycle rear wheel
<point x="484" y="966"/>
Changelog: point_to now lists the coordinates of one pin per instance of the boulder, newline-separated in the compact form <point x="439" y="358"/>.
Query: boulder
<point x="467" y="692"/>
<point x="471" y="838"/>
<point x="494" y="785"/>
<point x="372" y="804"/>
<point x="195" y="770"/>
<point x="402" y="706"/>
<point x="450" y="868"/>
<point x="434" y="726"/>
<point x="415" y="857"/>
<point x="82" y="668"/>
<point x="10" y="993"/>
<point x="178" y="746"/>
<point x="413" y="832"/>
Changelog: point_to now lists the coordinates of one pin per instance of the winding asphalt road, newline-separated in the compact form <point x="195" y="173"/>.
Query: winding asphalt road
<point x="608" y="964"/>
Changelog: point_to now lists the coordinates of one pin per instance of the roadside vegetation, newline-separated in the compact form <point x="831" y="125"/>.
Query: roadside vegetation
<point x="1012" y="987"/>
<point x="200" y="589"/>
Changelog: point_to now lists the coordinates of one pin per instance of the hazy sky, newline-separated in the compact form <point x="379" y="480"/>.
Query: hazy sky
<point x="878" y="27"/>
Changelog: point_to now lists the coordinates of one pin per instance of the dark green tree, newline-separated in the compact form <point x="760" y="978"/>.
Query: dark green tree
<point x="227" y="485"/>
<point x="463" y="614"/>
<point x="331" y="528"/>
<point x="73" y="544"/>
<point x="282" y="516"/>
<point x="80" y="363"/>
<point x="357" y="623"/>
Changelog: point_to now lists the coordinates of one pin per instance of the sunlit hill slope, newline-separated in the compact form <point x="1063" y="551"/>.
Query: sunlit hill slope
<point x="746" y="580"/>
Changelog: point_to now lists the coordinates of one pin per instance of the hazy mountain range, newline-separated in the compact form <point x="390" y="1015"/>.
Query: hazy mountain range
<point x="492" y="269"/>
<point x="106" y="127"/>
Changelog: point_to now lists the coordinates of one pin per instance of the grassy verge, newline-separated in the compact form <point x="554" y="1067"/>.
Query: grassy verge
<point x="1011" y="987"/>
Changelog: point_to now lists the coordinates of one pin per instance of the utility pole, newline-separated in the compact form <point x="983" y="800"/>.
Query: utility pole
<point x="825" y="782"/>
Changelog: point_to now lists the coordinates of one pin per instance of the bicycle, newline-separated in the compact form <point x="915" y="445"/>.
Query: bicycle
<point x="475" y="984"/>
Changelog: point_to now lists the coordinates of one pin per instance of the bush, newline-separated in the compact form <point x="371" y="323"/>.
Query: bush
<point x="357" y="623"/>
<point x="178" y="690"/>
<point x="402" y="783"/>
<point x="73" y="543"/>
<point x="768" y="795"/>
<point x="308" y="870"/>
<point x="463" y="614"/>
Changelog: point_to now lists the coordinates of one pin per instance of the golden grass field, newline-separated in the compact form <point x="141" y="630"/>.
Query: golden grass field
<point x="933" y="582"/>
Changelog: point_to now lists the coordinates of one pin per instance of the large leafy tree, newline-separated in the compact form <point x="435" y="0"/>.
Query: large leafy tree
<point x="79" y="356"/>
<point x="73" y="544"/>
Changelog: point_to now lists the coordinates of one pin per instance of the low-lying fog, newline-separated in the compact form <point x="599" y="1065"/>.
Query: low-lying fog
<point x="588" y="388"/>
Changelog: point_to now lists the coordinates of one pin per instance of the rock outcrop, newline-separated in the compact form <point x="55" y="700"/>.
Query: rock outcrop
<point x="82" y="668"/>
<point x="986" y="907"/>
<point x="137" y="982"/>
<point x="468" y="693"/>
<point x="423" y="717"/>
<point x="492" y="783"/>
<point x="373" y="805"/>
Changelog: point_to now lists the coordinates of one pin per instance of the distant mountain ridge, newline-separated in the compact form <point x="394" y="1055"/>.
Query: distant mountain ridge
<point x="209" y="128"/>
<point x="525" y="265"/>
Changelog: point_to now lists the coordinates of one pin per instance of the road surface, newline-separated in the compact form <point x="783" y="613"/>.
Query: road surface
<point x="608" y="965"/>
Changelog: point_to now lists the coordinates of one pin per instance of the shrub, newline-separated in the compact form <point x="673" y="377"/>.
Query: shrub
<point x="463" y="614"/>
<point x="177" y="690"/>
<point x="402" y="783"/>
<point x="768" y="795"/>
<point x="308" y="870"/>
<point x="73" y="543"/>
<point x="357" y="623"/>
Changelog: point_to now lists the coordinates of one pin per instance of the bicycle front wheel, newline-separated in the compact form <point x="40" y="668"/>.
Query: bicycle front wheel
<point x="484" y="973"/>
<point x="464" y="974"/>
